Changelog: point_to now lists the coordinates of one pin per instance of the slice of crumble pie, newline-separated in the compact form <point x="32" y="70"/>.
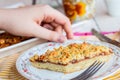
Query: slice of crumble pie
<point x="71" y="58"/>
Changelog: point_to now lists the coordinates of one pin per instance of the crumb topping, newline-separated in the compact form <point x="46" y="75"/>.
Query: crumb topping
<point x="72" y="53"/>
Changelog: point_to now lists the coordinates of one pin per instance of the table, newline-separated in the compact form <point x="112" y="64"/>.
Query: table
<point x="105" y="23"/>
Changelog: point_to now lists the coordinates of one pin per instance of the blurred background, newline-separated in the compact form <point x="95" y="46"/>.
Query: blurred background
<point x="26" y="2"/>
<point x="105" y="12"/>
<point x="4" y="3"/>
<point x="75" y="10"/>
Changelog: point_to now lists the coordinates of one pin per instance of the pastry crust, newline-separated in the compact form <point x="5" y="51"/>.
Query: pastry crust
<point x="71" y="58"/>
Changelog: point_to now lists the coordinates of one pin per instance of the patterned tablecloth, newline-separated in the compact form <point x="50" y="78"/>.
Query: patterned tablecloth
<point x="8" y="69"/>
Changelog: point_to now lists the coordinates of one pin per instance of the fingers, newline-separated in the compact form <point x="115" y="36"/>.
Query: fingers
<point x="58" y="28"/>
<point x="59" y="18"/>
<point x="44" y="33"/>
<point x="48" y="19"/>
<point x="54" y="27"/>
<point x="48" y="26"/>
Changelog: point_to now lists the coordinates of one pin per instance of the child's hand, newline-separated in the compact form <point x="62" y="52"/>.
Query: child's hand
<point x="40" y="21"/>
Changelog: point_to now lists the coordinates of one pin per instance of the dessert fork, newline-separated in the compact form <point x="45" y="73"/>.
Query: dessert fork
<point x="90" y="71"/>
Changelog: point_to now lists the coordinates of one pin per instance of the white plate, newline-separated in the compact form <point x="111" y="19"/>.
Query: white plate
<point x="25" y="68"/>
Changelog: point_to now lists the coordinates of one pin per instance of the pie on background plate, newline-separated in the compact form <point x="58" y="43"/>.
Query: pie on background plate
<point x="26" y="69"/>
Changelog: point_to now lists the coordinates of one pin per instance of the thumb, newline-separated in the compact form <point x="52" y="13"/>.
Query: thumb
<point x="44" y="33"/>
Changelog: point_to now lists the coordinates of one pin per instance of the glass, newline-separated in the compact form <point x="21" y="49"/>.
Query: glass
<point x="78" y="10"/>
